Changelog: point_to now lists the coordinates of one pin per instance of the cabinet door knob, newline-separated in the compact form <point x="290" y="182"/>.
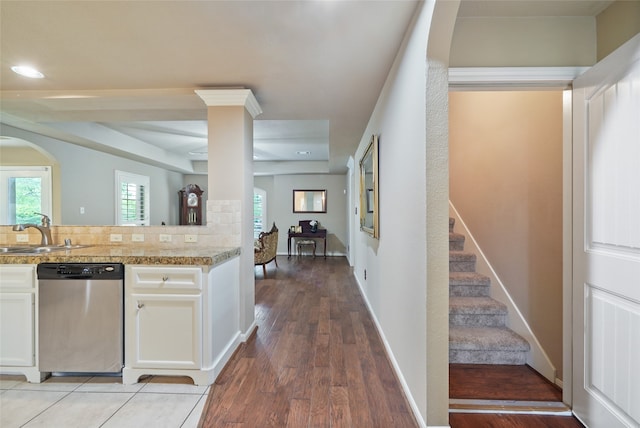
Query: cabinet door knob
<point x="165" y="278"/>
<point x="140" y="305"/>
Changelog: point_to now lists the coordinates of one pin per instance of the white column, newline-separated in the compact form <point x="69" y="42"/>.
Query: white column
<point x="230" y="114"/>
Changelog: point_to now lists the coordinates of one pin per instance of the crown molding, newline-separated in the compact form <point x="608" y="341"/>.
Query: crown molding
<point x="230" y="97"/>
<point x="470" y="78"/>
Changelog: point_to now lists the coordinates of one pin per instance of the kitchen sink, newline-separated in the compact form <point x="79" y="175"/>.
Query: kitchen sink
<point x="37" y="249"/>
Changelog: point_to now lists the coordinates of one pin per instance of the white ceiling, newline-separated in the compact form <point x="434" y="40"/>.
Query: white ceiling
<point x="120" y="75"/>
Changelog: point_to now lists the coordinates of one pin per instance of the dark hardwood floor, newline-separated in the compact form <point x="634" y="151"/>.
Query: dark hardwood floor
<point x="509" y="383"/>
<point x="498" y="382"/>
<point x="481" y="420"/>
<point x="316" y="360"/>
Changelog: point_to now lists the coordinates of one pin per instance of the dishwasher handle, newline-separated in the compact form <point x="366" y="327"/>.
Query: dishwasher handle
<point x="76" y="277"/>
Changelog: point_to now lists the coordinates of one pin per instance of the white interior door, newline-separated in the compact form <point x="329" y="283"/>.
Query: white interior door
<point x="606" y="241"/>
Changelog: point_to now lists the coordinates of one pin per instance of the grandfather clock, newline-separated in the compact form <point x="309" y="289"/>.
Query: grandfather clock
<point x="190" y="205"/>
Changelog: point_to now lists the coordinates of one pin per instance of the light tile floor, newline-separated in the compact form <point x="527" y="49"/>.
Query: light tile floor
<point x="83" y="402"/>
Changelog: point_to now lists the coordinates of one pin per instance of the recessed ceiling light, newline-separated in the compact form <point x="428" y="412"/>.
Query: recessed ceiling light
<point x="26" y="71"/>
<point x="303" y="152"/>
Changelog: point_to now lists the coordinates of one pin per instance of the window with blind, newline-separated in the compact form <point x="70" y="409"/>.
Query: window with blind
<point x="132" y="199"/>
<point x="259" y="211"/>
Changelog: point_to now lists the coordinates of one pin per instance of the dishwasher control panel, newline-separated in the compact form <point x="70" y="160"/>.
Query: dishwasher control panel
<point x="80" y="270"/>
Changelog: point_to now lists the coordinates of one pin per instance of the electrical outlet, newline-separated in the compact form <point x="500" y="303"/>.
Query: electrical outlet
<point x="190" y="238"/>
<point x="22" y="237"/>
<point x="165" y="238"/>
<point x="115" y="237"/>
<point x="137" y="237"/>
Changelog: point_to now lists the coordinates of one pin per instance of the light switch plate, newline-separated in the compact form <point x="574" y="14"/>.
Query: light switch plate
<point x="137" y="237"/>
<point x="115" y="237"/>
<point x="165" y="238"/>
<point x="22" y="237"/>
<point x="190" y="238"/>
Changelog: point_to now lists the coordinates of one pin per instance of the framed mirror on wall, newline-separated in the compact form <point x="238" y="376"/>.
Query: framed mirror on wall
<point x="369" y="189"/>
<point x="309" y="201"/>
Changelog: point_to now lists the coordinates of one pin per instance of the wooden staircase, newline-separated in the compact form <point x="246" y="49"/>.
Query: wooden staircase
<point x="477" y="323"/>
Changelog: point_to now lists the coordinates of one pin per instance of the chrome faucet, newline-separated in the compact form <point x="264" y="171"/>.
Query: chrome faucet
<point x="44" y="229"/>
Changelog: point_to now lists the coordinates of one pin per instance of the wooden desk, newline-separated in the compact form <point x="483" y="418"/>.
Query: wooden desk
<point x="319" y="234"/>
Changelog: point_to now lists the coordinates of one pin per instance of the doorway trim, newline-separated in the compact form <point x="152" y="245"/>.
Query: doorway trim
<point x="531" y="79"/>
<point x="512" y="78"/>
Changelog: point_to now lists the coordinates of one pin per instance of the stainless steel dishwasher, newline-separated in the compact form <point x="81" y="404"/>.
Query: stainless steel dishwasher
<point x="81" y="310"/>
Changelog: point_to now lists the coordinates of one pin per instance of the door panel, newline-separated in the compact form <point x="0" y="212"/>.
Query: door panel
<point x="606" y="241"/>
<point x="168" y="331"/>
<point x="16" y="329"/>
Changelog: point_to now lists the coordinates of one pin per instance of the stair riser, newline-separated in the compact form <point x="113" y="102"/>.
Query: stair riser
<point x="487" y="357"/>
<point x="468" y="290"/>
<point x="462" y="266"/>
<point x="477" y="320"/>
<point x="456" y="245"/>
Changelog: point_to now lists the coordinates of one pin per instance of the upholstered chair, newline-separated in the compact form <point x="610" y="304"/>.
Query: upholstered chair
<point x="265" y="249"/>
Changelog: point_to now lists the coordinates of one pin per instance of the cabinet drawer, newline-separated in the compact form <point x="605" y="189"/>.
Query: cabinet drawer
<point x="18" y="276"/>
<point x="164" y="278"/>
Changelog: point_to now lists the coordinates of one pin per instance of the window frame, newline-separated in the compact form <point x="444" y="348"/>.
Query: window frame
<point x="123" y="177"/>
<point x="27" y="171"/>
<point x="263" y="195"/>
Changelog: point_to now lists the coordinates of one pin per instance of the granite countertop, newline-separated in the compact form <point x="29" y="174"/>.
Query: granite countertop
<point x="131" y="255"/>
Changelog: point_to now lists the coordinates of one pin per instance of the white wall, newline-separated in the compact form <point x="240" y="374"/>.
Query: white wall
<point x="87" y="179"/>
<point x="279" y="190"/>
<point x="397" y="272"/>
<point x="406" y="285"/>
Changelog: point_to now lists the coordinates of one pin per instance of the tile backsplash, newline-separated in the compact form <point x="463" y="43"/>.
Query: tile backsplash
<point x="180" y="236"/>
<point x="223" y="230"/>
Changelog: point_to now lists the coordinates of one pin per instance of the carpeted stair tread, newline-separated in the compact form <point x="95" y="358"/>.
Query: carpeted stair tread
<point x="456" y="241"/>
<point x="468" y="278"/>
<point x="477" y="323"/>
<point x="461" y="261"/>
<point x="461" y="256"/>
<point x="468" y="284"/>
<point x="476" y="306"/>
<point x="486" y="339"/>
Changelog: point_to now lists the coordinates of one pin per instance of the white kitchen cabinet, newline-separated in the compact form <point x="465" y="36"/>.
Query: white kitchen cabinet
<point x="180" y="320"/>
<point x="167" y="331"/>
<point x="16" y="329"/>
<point x="18" y="318"/>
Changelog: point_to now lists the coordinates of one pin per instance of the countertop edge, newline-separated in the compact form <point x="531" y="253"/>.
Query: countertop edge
<point x="129" y="256"/>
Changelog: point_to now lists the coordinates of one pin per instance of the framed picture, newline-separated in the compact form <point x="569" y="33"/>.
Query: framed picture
<point x="369" y="189"/>
<point x="309" y="201"/>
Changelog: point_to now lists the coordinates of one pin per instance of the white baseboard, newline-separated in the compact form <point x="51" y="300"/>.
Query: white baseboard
<point x="224" y="356"/>
<point x="244" y="336"/>
<point x="394" y="363"/>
